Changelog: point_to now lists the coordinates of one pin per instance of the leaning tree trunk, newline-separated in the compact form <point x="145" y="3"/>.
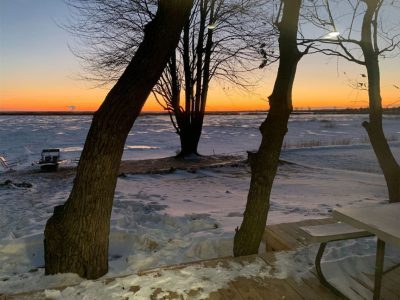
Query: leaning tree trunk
<point x="76" y="236"/>
<point x="387" y="162"/>
<point x="264" y="163"/>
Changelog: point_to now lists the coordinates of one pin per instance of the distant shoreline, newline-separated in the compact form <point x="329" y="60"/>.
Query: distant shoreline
<point x="391" y="111"/>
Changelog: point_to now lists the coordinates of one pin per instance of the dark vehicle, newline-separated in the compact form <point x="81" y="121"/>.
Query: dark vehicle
<point x="50" y="160"/>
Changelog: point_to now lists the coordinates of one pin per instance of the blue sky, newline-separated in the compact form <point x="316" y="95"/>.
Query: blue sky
<point x="27" y="29"/>
<point x="38" y="69"/>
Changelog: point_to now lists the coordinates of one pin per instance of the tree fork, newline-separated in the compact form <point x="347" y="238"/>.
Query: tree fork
<point x="76" y="236"/>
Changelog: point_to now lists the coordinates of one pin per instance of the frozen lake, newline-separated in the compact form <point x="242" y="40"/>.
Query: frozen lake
<point x="23" y="137"/>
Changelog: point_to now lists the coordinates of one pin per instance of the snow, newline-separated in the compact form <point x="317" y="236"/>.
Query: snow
<point x="23" y="137"/>
<point x="204" y="280"/>
<point x="162" y="219"/>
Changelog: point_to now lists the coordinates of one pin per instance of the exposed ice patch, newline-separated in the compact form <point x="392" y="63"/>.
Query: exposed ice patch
<point x="141" y="147"/>
<point x="71" y="149"/>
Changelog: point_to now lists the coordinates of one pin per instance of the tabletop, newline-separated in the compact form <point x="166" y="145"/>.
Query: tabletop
<point x="381" y="220"/>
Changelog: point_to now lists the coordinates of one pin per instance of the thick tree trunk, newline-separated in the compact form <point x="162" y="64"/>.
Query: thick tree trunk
<point x="189" y="135"/>
<point x="264" y="163"/>
<point x="76" y="236"/>
<point x="387" y="162"/>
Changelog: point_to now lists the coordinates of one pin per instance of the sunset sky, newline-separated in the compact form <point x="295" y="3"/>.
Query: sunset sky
<point x="38" y="71"/>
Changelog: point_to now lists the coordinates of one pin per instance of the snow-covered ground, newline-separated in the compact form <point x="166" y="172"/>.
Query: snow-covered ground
<point x="186" y="216"/>
<point x="23" y="137"/>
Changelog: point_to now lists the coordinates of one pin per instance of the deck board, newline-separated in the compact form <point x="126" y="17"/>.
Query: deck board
<point x="289" y="236"/>
<point x="228" y="293"/>
<point x="309" y="292"/>
<point x="321" y="292"/>
<point x="282" y="237"/>
<point x="391" y="284"/>
<point x="240" y="288"/>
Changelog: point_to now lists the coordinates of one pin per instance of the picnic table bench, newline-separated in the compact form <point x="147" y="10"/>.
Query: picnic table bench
<point x="381" y="221"/>
<point x="326" y="233"/>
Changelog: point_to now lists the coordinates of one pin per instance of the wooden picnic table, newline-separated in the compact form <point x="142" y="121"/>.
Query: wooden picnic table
<point x="380" y="220"/>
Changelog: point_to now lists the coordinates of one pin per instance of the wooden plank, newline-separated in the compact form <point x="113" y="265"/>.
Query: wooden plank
<point x="291" y="234"/>
<point x="352" y="282"/>
<point x="391" y="281"/>
<point x="366" y="285"/>
<point x="269" y="258"/>
<point x="322" y="292"/>
<point x="394" y="275"/>
<point x="295" y="233"/>
<point x="302" y="289"/>
<point x="390" y="284"/>
<point x="270" y="288"/>
<point x="217" y="296"/>
<point x="388" y="294"/>
<point x="245" y="289"/>
<point x="209" y="262"/>
<point x="26" y="296"/>
<point x="274" y="242"/>
<point x="320" y="221"/>
<point x="280" y="234"/>
<point x="228" y="293"/>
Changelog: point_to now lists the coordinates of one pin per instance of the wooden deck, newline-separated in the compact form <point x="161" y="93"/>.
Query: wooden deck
<point x="289" y="236"/>
<point x="240" y="288"/>
<point x="279" y="237"/>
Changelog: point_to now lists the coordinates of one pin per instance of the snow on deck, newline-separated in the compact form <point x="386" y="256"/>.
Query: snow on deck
<point x="248" y="277"/>
<point x="270" y="275"/>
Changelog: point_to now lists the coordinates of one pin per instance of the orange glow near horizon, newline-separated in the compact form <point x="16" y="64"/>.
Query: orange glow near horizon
<point x="317" y="85"/>
<point x="48" y="104"/>
<point x="90" y="99"/>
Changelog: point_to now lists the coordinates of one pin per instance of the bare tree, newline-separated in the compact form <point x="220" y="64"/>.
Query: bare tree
<point x="222" y="39"/>
<point x="367" y="38"/>
<point x="76" y="236"/>
<point x="264" y="162"/>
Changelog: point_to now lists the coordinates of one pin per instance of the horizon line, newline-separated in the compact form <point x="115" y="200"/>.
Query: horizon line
<point x="163" y="112"/>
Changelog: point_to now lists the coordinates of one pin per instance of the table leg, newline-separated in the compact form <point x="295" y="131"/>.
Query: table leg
<point x="380" y="255"/>
<point x="321" y="276"/>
